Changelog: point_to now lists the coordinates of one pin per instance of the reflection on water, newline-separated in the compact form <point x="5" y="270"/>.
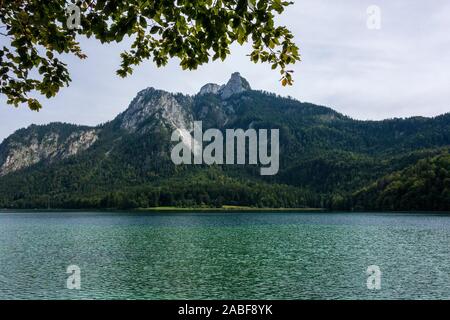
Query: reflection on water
<point x="224" y="256"/>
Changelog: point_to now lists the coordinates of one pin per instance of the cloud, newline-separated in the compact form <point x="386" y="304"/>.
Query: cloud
<point x="398" y="71"/>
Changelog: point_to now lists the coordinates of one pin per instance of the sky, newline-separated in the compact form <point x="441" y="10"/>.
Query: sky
<point x="400" y="69"/>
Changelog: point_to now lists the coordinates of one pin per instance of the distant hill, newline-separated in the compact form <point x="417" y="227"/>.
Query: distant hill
<point x="326" y="158"/>
<point x="422" y="186"/>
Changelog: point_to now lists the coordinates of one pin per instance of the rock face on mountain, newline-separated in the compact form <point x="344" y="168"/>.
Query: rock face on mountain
<point x="235" y="85"/>
<point x="152" y="107"/>
<point x="33" y="145"/>
<point x="210" y="88"/>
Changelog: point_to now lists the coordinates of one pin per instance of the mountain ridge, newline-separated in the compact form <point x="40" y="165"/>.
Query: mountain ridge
<point x="323" y="153"/>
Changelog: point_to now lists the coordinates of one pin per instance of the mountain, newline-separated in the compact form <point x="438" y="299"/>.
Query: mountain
<point x="44" y="144"/>
<point x="326" y="159"/>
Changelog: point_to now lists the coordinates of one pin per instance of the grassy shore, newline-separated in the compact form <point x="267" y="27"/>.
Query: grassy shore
<point x="175" y="209"/>
<point x="226" y="209"/>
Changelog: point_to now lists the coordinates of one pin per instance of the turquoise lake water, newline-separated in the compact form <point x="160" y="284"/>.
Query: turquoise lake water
<point x="224" y="255"/>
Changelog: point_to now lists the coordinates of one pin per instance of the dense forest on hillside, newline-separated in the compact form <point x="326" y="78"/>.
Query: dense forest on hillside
<point x="423" y="185"/>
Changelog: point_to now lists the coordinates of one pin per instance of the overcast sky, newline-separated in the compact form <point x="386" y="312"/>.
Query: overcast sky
<point x="401" y="70"/>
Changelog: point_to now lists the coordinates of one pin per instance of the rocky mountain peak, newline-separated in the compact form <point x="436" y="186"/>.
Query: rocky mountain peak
<point x="236" y="84"/>
<point x="152" y="104"/>
<point x="210" y="88"/>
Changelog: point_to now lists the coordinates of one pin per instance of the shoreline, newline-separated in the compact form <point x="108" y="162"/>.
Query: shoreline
<point x="227" y="209"/>
<point x="224" y="209"/>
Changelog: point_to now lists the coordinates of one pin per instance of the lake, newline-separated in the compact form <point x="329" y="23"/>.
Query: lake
<point x="224" y="255"/>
